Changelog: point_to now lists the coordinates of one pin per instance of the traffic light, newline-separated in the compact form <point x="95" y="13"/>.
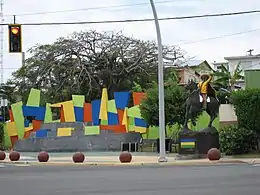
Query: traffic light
<point x="15" y="38"/>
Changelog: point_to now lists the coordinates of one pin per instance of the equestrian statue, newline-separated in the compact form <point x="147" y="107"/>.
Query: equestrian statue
<point x="202" y="97"/>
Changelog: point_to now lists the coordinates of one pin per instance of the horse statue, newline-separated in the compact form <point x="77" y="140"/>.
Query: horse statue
<point x="194" y="104"/>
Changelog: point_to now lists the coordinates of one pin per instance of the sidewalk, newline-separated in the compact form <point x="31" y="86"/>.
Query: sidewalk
<point x="113" y="160"/>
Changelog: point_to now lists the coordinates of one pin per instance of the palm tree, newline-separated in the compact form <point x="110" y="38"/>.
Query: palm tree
<point x="225" y="79"/>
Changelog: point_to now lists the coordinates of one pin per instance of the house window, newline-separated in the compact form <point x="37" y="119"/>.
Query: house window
<point x="218" y="67"/>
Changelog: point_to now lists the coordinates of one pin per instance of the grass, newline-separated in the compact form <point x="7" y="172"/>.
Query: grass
<point x="202" y="122"/>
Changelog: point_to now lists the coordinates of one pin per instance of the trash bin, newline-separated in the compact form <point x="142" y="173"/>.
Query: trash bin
<point x="168" y="147"/>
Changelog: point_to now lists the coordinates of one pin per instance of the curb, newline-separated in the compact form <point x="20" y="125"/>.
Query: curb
<point x="188" y="163"/>
<point x="15" y="162"/>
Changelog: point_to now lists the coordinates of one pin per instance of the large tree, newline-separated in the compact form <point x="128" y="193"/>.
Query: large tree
<point x="85" y="62"/>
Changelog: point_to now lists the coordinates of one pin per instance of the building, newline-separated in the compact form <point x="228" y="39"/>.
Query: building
<point x="190" y="69"/>
<point x="200" y="66"/>
<point x="247" y="62"/>
<point x="193" y="69"/>
<point x="186" y="74"/>
<point x="217" y="65"/>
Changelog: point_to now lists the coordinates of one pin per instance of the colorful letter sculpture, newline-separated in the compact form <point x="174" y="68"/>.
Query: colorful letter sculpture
<point x="113" y="115"/>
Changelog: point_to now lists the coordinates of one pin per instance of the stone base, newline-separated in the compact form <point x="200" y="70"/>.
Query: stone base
<point x="209" y="130"/>
<point x="196" y="144"/>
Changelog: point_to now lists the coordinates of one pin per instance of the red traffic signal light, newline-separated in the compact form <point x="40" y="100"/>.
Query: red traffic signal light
<point x="15" y="38"/>
<point x="15" y="30"/>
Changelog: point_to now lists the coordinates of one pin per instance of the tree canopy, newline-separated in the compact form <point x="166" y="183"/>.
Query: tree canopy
<point x="85" y="62"/>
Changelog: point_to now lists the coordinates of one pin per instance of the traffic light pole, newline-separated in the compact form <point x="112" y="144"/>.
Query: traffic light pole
<point x="162" y="157"/>
<point x="14" y="19"/>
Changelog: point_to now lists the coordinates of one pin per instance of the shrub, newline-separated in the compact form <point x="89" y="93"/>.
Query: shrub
<point x="247" y="108"/>
<point x="236" y="140"/>
<point x="173" y="132"/>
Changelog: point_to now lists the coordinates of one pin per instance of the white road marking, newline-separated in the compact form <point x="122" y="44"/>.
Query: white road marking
<point x="15" y="165"/>
<point x="21" y="165"/>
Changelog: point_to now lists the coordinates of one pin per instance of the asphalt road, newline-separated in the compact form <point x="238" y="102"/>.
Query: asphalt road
<point x="83" y="180"/>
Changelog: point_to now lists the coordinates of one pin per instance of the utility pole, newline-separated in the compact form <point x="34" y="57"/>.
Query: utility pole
<point x="3" y="99"/>
<point x="23" y="64"/>
<point x="2" y="43"/>
<point x="2" y="57"/>
<point x="162" y="157"/>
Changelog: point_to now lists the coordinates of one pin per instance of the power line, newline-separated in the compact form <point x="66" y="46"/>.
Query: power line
<point x="92" y="8"/>
<point x="202" y="40"/>
<point x="208" y="39"/>
<point x="218" y="37"/>
<point x="197" y="41"/>
<point x="139" y="20"/>
<point x="244" y="67"/>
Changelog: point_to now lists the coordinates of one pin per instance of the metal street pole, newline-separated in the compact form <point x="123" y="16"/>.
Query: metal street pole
<point x="23" y="58"/>
<point x="162" y="157"/>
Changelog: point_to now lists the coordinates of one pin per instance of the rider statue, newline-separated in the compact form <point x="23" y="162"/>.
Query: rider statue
<point x="203" y="86"/>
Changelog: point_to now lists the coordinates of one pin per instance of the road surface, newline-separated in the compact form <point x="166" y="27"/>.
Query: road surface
<point x="147" y="180"/>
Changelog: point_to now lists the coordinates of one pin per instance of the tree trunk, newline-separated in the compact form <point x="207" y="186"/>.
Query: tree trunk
<point x="232" y="87"/>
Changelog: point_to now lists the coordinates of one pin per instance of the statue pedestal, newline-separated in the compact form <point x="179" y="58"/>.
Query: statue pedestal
<point x="196" y="144"/>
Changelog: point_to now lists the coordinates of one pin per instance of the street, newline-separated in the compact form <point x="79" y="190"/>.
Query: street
<point x="152" y="180"/>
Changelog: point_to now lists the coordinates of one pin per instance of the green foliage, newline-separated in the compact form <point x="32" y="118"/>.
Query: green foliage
<point x="137" y="87"/>
<point x="8" y="92"/>
<point x="247" y="107"/>
<point x="235" y="140"/>
<point x="242" y="138"/>
<point x="175" y="97"/>
<point x="173" y="132"/>
<point x="224" y="79"/>
<point x="172" y="76"/>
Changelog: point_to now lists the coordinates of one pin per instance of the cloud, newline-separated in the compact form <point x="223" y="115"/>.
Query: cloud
<point x="173" y="31"/>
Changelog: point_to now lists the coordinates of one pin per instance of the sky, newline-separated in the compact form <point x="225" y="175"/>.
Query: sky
<point x="192" y="35"/>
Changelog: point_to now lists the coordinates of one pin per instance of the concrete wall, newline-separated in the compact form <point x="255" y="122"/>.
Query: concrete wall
<point x="190" y="74"/>
<point x="187" y="74"/>
<point x="227" y="115"/>
<point x="105" y="141"/>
